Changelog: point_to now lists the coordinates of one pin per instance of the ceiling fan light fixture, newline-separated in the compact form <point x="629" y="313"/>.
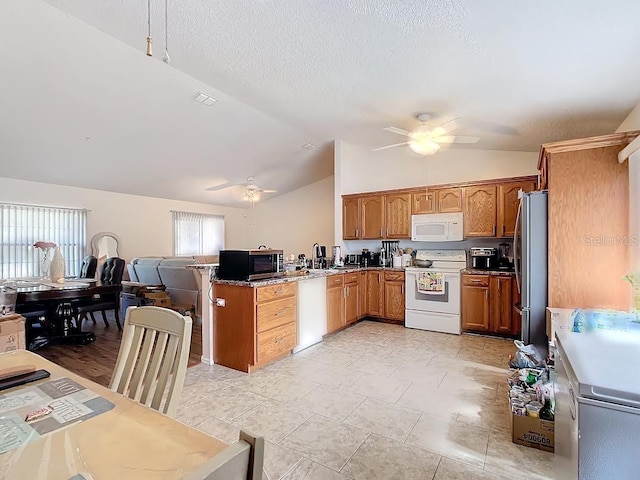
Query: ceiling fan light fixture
<point x="423" y="145"/>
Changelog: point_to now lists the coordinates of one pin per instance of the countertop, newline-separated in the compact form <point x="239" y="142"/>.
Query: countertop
<point x="315" y="273"/>
<point x="474" y="271"/>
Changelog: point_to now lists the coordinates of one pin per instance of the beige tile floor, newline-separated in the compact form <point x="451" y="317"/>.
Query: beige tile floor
<point x="375" y="401"/>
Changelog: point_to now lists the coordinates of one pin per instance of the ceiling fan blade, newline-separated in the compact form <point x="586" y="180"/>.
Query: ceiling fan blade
<point x="446" y="127"/>
<point x="222" y="186"/>
<point x="455" y="139"/>
<point x="390" y="146"/>
<point x="399" y="131"/>
<point x="269" y="191"/>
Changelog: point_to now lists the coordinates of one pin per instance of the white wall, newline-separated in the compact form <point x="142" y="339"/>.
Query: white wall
<point x="295" y="221"/>
<point x="142" y="223"/>
<point x="632" y="122"/>
<point x="358" y="169"/>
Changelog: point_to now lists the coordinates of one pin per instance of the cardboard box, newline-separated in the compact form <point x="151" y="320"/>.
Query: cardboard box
<point x="158" y="299"/>
<point x="533" y="432"/>
<point x="12" y="336"/>
<point x="558" y="319"/>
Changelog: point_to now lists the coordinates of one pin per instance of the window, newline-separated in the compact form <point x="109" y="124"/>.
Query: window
<point x="197" y="233"/>
<point x="23" y="225"/>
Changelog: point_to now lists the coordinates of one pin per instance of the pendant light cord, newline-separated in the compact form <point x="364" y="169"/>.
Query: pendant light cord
<point x="166" y="23"/>
<point x="149" y="16"/>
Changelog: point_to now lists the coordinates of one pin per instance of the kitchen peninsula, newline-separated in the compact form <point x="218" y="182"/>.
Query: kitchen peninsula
<point x="258" y="322"/>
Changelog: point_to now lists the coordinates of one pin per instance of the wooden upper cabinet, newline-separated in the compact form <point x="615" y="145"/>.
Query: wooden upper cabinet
<point x="449" y="200"/>
<point x="508" y="203"/>
<point x="350" y="218"/>
<point x="423" y="201"/>
<point x="371" y="217"/>
<point x="480" y="211"/>
<point x="398" y="215"/>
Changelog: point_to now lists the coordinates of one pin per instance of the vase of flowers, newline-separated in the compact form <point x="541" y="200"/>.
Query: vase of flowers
<point x="46" y="255"/>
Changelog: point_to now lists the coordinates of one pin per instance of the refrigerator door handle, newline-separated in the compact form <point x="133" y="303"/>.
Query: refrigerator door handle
<point x="517" y="252"/>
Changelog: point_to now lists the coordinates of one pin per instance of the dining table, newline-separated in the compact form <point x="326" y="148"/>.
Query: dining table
<point x="91" y="432"/>
<point x="48" y="296"/>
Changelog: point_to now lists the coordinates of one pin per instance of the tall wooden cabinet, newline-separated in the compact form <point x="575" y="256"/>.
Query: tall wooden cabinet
<point x="588" y="222"/>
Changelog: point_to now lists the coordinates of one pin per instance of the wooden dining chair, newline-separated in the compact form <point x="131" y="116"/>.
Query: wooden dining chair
<point x="153" y="357"/>
<point x="110" y="274"/>
<point x="242" y="460"/>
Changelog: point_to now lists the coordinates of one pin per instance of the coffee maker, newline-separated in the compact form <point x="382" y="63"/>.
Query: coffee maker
<point x="504" y="263"/>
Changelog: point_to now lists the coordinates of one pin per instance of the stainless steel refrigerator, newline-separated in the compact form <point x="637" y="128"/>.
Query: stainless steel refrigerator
<point x="530" y="261"/>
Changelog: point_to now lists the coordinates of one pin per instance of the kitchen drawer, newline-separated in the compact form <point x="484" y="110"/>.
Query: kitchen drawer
<point x="272" y="292"/>
<point x="276" y="313"/>
<point x="275" y="342"/>
<point x="475" y="280"/>
<point x="335" y="281"/>
<point x="394" y="276"/>
<point x="351" y="277"/>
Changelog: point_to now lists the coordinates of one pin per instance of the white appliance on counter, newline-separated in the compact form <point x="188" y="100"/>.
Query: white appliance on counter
<point x="312" y="312"/>
<point x="435" y="311"/>
<point x="597" y="405"/>
<point x="437" y="227"/>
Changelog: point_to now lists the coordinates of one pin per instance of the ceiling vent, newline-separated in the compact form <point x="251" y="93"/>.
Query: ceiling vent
<point x="208" y="100"/>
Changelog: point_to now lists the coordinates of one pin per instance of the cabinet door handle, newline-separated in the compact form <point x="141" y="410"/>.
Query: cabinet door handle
<point x="504" y="228"/>
<point x="380" y="232"/>
<point x="357" y="233"/>
<point x="402" y="288"/>
<point x="475" y="281"/>
<point x="494" y="231"/>
<point x="278" y="291"/>
<point x="281" y="312"/>
<point x="280" y="340"/>
<point x="387" y="231"/>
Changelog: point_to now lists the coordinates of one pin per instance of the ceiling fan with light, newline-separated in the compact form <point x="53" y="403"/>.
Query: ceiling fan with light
<point x="252" y="192"/>
<point x="425" y="140"/>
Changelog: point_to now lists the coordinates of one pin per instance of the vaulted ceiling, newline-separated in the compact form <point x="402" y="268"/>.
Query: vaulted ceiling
<point x="82" y="105"/>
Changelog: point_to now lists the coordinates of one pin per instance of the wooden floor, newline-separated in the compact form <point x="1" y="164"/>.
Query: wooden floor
<point x="97" y="360"/>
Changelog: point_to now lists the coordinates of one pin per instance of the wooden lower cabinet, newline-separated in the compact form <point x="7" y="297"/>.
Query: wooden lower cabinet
<point x="475" y="303"/>
<point x="394" y="295"/>
<point x="255" y="326"/>
<point x="375" y="293"/>
<point x="362" y="295"/>
<point x="488" y="303"/>
<point x="335" y="308"/>
<point x="501" y="298"/>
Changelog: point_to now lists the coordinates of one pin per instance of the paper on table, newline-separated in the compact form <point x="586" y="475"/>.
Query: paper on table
<point x="430" y="282"/>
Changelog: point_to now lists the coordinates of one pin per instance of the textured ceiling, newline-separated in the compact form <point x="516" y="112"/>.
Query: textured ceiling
<point x="289" y="72"/>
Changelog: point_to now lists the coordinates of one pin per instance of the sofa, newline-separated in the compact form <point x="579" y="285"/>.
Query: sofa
<point x="181" y="283"/>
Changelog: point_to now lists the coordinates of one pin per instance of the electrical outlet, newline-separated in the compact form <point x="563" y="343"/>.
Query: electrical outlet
<point x="221" y="302"/>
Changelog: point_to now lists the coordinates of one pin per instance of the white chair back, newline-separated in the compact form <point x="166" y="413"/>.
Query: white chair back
<point x="153" y="357"/>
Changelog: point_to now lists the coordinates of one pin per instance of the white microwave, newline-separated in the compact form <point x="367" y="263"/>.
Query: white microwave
<point x="437" y="227"/>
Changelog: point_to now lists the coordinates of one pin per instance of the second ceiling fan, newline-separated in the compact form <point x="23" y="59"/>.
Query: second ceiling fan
<point x="425" y="140"/>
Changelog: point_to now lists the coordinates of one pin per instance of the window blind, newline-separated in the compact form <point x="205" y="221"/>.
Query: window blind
<point x="21" y="226"/>
<point x="197" y="233"/>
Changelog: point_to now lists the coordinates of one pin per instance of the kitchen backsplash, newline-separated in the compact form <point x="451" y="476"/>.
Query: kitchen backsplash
<point x="356" y="246"/>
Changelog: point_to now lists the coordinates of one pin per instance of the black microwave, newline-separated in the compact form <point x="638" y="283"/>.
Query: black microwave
<point x="250" y="264"/>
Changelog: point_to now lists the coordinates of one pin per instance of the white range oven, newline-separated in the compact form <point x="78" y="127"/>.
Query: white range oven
<point x="436" y="307"/>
